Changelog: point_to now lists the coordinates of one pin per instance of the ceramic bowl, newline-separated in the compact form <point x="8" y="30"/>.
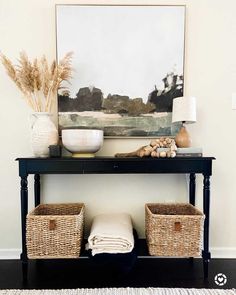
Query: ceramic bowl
<point x="82" y="142"/>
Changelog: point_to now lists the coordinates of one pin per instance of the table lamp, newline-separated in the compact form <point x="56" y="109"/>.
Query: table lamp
<point x="184" y="110"/>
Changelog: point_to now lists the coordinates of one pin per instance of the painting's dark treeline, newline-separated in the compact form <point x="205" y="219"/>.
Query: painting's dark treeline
<point x="91" y="99"/>
<point x="163" y="100"/>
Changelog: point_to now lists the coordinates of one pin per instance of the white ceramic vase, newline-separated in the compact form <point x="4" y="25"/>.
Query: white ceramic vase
<point x="43" y="133"/>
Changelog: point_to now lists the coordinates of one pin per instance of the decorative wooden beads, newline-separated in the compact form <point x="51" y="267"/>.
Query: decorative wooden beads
<point x="163" y="142"/>
<point x="152" y="149"/>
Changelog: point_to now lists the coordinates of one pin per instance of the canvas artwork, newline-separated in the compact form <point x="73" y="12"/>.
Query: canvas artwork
<point x="128" y="66"/>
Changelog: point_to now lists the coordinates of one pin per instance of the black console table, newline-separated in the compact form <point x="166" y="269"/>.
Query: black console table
<point x="110" y="165"/>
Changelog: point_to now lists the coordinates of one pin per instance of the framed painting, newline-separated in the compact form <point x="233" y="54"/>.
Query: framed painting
<point x="128" y="67"/>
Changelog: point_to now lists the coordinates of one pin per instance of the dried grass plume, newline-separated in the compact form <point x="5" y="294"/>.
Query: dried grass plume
<point x="37" y="79"/>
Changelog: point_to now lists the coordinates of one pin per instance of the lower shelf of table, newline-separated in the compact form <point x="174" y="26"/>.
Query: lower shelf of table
<point x="141" y="251"/>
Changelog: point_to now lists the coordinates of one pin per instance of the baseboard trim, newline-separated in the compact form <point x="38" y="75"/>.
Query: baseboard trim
<point x="216" y="252"/>
<point x="10" y="254"/>
<point x="223" y="252"/>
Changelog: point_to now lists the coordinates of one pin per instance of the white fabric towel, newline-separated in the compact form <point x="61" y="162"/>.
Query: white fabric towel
<point x="111" y="233"/>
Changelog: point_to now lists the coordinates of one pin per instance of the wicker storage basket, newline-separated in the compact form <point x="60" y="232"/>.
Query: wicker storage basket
<point x="174" y="229"/>
<point x="55" y="231"/>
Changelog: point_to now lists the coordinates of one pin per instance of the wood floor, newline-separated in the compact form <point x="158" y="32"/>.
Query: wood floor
<point x="147" y="272"/>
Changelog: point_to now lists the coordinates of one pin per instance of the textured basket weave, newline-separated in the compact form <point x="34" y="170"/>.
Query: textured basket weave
<point x="55" y="231"/>
<point x="174" y="229"/>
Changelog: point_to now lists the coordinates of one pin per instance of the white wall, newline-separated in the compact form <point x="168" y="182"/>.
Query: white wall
<point x="210" y="75"/>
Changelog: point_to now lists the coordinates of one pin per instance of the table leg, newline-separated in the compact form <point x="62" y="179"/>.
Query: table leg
<point x="24" y="211"/>
<point x="192" y="188"/>
<point x="36" y="189"/>
<point x="206" y="255"/>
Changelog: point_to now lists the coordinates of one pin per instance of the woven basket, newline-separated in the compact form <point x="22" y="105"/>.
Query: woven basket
<point x="174" y="230"/>
<point x="55" y="231"/>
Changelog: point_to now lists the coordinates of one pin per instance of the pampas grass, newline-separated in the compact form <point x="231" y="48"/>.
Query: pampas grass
<point x="37" y="79"/>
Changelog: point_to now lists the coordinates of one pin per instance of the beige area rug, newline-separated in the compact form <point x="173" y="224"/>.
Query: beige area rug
<point x="122" y="291"/>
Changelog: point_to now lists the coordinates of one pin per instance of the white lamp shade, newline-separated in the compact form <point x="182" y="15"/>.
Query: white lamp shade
<point x="184" y="109"/>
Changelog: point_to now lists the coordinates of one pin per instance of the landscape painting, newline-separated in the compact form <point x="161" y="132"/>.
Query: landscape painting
<point x="128" y="66"/>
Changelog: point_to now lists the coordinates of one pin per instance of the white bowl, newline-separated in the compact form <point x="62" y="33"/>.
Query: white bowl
<point x="82" y="142"/>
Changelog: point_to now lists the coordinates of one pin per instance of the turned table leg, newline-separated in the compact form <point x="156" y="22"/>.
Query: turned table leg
<point x="192" y="188"/>
<point x="206" y="255"/>
<point x="24" y="211"/>
<point x="36" y="189"/>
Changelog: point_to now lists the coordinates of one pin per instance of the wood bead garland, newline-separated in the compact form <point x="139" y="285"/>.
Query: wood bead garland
<point x="152" y="149"/>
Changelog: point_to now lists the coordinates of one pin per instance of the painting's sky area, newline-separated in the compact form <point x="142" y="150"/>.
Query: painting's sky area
<point x="124" y="50"/>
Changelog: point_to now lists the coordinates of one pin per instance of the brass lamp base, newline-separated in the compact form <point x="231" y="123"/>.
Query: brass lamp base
<point x="183" y="139"/>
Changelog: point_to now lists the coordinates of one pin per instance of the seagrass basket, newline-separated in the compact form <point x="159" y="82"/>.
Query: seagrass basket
<point x="174" y="229"/>
<point x="55" y="231"/>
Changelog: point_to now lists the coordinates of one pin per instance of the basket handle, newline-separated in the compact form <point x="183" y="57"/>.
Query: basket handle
<point x="52" y="224"/>
<point x="177" y="226"/>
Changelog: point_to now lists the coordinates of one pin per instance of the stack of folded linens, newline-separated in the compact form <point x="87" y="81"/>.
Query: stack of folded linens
<point x="111" y="233"/>
<point x="112" y="243"/>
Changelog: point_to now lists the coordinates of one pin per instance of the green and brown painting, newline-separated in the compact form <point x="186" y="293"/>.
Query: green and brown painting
<point x="120" y="115"/>
<point x="128" y="67"/>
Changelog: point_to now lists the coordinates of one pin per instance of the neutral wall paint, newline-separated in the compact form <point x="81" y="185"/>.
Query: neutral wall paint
<point x="210" y="75"/>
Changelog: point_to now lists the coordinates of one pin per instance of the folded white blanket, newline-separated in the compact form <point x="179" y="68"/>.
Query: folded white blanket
<point x="111" y="233"/>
